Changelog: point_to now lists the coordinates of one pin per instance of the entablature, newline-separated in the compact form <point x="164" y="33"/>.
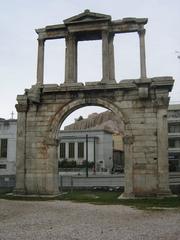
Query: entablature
<point x="88" y="24"/>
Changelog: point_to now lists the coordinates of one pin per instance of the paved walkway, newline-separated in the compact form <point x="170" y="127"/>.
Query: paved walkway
<point x="74" y="221"/>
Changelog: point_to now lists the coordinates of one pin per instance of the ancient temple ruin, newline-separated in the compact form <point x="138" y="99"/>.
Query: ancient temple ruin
<point x="140" y="103"/>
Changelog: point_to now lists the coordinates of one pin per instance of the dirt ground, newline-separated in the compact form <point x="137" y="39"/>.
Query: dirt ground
<point x="74" y="221"/>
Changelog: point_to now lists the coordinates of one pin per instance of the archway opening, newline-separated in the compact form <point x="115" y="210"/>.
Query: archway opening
<point x="90" y="144"/>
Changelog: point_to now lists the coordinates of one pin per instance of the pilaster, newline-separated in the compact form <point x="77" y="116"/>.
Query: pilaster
<point x="162" y="141"/>
<point x="128" y="181"/>
<point x="22" y="108"/>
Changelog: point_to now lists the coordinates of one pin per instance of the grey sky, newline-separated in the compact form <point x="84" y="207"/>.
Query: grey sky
<point x="18" y="45"/>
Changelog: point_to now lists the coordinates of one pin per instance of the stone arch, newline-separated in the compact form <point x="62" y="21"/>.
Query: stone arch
<point x="63" y="112"/>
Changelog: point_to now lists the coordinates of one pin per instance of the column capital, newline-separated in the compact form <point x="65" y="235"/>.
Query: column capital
<point x="51" y="142"/>
<point x="104" y="32"/>
<point x="22" y="105"/>
<point x="111" y="34"/>
<point x="141" y="31"/>
<point x="70" y="37"/>
<point x="41" y="40"/>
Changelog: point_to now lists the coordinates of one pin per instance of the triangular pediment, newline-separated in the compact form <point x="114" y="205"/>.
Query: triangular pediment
<point x="87" y="16"/>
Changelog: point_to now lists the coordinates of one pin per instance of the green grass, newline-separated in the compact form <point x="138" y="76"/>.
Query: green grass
<point x="6" y="190"/>
<point x="109" y="198"/>
<point x="91" y="197"/>
<point x="106" y="198"/>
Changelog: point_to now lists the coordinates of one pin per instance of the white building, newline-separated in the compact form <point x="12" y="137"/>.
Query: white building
<point x="73" y="146"/>
<point x="7" y="146"/>
<point x="174" y="137"/>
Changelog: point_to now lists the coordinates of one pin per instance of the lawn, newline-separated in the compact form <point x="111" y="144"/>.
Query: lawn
<point x="106" y="198"/>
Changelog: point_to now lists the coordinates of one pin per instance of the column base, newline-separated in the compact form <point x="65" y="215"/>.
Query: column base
<point x="71" y="84"/>
<point x="126" y="196"/>
<point x="23" y="192"/>
<point x="159" y="194"/>
<point x="19" y="191"/>
<point x="164" y="193"/>
<point x="108" y="81"/>
<point x="49" y="196"/>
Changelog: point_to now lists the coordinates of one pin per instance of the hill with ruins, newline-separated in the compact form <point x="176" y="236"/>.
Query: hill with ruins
<point x="105" y="120"/>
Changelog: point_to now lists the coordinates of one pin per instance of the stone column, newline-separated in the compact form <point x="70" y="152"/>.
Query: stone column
<point x="142" y="53"/>
<point x="111" y="58"/>
<point x="162" y="140"/>
<point x="105" y="56"/>
<point x="71" y="60"/>
<point x="40" y="62"/>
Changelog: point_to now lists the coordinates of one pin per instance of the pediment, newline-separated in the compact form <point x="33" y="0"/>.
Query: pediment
<point x="87" y="16"/>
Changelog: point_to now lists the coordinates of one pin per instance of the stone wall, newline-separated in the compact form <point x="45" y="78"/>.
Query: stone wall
<point x="142" y="106"/>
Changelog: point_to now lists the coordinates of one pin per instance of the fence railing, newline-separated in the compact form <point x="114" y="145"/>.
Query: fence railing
<point x="7" y="181"/>
<point x="111" y="181"/>
<point x="91" y="181"/>
<point x="75" y="181"/>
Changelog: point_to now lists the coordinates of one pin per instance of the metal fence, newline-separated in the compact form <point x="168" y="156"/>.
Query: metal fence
<point x="74" y="181"/>
<point x="7" y="181"/>
<point x="174" y="178"/>
<point x="91" y="181"/>
<point x="106" y="181"/>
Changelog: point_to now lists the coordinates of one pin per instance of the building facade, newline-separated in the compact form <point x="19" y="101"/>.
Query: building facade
<point x="174" y="137"/>
<point x="76" y="145"/>
<point x="8" y="146"/>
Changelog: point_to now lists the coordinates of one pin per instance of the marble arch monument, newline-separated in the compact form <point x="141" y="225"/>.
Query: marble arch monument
<point x="141" y="103"/>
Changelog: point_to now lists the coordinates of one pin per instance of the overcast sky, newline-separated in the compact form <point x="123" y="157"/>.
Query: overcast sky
<point x="18" y="43"/>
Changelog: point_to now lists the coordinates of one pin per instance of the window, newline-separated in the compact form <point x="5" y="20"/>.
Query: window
<point x="3" y="147"/>
<point x="171" y="143"/>
<point x="174" y="128"/>
<point x="174" y="142"/>
<point x="62" y="150"/>
<point x="2" y="166"/>
<point x="174" y="114"/>
<point x="80" y="150"/>
<point x="71" y="150"/>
